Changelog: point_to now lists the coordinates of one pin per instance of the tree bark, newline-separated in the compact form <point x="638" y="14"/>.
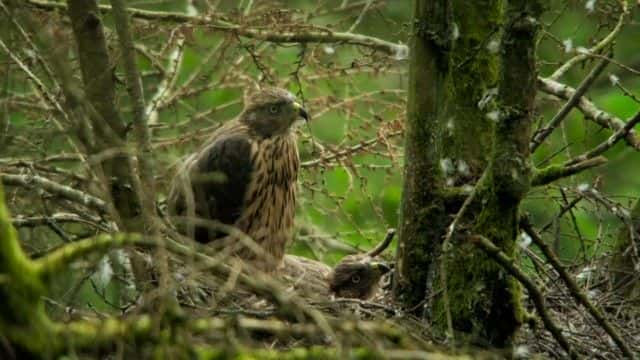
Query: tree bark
<point x="466" y="118"/>
<point x="423" y="216"/>
<point x="99" y="87"/>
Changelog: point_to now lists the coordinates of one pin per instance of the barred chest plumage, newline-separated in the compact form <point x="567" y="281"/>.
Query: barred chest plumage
<point x="271" y="202"/>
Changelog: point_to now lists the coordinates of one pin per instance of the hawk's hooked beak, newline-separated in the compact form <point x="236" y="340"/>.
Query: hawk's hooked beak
<point x="301" y="111"/>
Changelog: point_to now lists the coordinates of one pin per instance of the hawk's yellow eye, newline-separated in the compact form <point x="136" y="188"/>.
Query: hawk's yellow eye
<point x="274" y="109"/>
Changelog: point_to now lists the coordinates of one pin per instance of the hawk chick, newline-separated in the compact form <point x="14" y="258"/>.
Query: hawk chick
<point x="244" y="176"/>
<point x="358" y="276"/>
<point x="356" y="279"/>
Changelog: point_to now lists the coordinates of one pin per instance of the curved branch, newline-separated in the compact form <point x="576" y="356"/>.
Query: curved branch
<point x="363" y="145"/>
<point x="383" y="245"/>
<point x="262" y="284"/>
<point x="597" y="47"/>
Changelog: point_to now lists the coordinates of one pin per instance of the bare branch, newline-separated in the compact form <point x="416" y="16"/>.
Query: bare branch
<point x="607" y="144"/>
<point x="346" y="152"/>
<point x="66" y="192"/>
<point x="306" y="34"/>
<point x="33" y="221"/>
<point x="575" y="291"/>
<point x="134" y="82"/>
<point x="536" y="295"/>
<point x="543" y="133"/>
<point x="597" y="47"/>
<point x="589" y="109"/>
<point x="383" y="245"/>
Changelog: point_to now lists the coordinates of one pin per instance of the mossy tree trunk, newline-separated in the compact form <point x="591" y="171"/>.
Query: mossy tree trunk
<point x="468" y="127"/>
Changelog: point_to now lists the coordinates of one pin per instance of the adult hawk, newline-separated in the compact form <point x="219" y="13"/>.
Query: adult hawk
<point x="244" y="177"/>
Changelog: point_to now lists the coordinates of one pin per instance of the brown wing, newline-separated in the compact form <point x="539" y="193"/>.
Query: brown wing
<point x="218" y="178"/>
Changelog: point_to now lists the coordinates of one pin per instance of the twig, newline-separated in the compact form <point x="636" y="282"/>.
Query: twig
<point x="589" y="109"/>
<point x="164" y="92"/>
<point x="543" y="133"/>
<point x="31" y="181"/>
<point x="308" y="34"/>
<point x="606" y="145"/>
<point x="38" y="84"/>
<point x="383" y="245"/>
<point x="596" y="48"/>
<point x="348" y="151"/>
<point x="361" y="15"/>
<point x="33" y="221"/>
<point x="555" y="172"/>
<point x="134" y="88"/>
<point x="538" y="299"/>
<point x="575" y="291"/>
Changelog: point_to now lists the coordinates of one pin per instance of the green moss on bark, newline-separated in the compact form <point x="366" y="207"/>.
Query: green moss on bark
<point x="484" y="83"/>
<point x="22" y="315"/>
<point x="423" y="217"/>
<point x="467" y="134"/>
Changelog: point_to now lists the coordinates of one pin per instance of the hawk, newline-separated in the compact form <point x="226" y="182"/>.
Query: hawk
<point x="245" y="177"/>
<point x="357" y="276"/>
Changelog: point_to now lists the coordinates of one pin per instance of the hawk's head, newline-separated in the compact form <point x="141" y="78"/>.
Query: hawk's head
<point x="355" y="279"/>
<point x="272" y="111"/>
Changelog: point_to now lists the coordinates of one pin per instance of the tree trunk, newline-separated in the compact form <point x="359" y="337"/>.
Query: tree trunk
<point x="468" y="125"/>
<point x="99" y="87"/>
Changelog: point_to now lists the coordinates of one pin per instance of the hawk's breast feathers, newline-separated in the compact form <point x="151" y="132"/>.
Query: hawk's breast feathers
<point x="239" y="178"/>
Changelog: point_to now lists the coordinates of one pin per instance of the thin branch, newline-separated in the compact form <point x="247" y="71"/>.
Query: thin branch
<point x="305" y="34"/>
<point x="575" y="291"/>
<point x="134" y="88"/>
<point x="607" y="144"/>
<point x="383" y="245"/>
<point x="66" y="192"/>
<point x="360" y="16"/>
<point x="348" y="151"/>
<point x="33" y="221"/>
<point x="38" y="84"/>
<point x="446" y="248"/>
<point x="589" y="109"/>
<point x="596" y="48"/>
<point x="555" y="172"/>
<point x="164" y="93"/>
<point x="543" y="133"/>
<point x="536" y="295"/>
<point x="144" y="185"/>
<point x="565" y="209"/>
